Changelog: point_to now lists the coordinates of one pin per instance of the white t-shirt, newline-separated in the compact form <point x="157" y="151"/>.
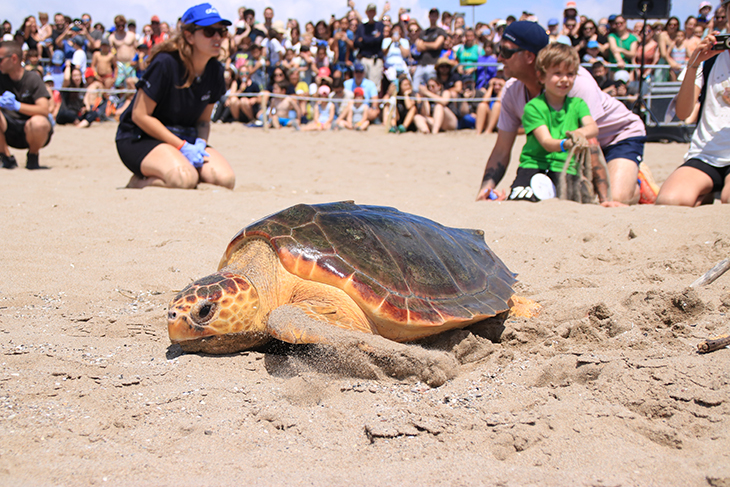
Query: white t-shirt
<point x="711" y="141"/>
<point x="79" y="60"/>
<point x="274" y="50"/>
<point x="394" y="58"/>
<point x="615" y="121"/>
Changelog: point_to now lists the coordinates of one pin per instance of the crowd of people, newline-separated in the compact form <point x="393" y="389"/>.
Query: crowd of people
<point x="348" y="73"/>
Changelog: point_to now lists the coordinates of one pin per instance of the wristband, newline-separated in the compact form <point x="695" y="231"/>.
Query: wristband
<point x="562" y="145"/>
<point x="183" y="144"/>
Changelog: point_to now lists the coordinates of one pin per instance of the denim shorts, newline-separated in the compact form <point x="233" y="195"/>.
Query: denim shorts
<point x="631" y="149"/>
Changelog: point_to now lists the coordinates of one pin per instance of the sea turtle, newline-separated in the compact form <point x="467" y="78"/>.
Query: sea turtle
<point x="303" y="273"/>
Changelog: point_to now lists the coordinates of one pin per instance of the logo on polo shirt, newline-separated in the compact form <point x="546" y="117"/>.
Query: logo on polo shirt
<point x="205" y="97"/>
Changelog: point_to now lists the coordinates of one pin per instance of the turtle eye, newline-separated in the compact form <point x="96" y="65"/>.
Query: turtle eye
<point x="203" y="312"/>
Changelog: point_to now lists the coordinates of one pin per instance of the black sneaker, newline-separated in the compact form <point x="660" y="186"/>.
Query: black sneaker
<point x="32" y="162"/>
<point x="9" y="162"/>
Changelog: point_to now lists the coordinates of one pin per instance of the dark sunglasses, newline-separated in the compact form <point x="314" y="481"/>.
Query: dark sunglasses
<point x="507" y="53"/>
<point x="211" y="31"/>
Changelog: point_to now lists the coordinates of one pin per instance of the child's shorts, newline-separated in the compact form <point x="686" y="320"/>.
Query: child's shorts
<point x="537" y="184"/>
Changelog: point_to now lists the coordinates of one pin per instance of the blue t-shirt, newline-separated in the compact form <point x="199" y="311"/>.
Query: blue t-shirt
<point x="371" y="91"/>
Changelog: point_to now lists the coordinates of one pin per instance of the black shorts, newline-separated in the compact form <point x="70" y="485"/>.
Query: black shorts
<point x="15" y="134"/>
<point x="717" y="174"/>
<point x="132" y="151"/>
<point x="535" y="185"/>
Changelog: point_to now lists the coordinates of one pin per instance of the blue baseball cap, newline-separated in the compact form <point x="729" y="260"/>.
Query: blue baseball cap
<point x="592" y="43"/>
<point x="553" y="21"/>
<point x="204" y="15"/>
<point x="58" y="58"/>
<point x="358" y="68"/>
<point x="527" y="35"/>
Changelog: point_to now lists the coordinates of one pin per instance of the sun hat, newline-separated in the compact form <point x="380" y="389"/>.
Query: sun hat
<point x="444" y="61"/>
<point x="324" y="90"/>
<point x="527" y="35"/>
<point x="705" y="4"/>
<point x="570" y="5"/>
<point x="48" y="78"/>
<point x="204" y="15"/>
<point x="278" y="26"/>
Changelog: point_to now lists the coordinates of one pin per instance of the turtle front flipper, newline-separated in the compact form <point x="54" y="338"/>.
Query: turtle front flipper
<point x="307" y="323"/>
<point x="346" y="351"/>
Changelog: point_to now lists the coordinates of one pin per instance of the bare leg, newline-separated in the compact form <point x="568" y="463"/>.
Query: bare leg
<point x="450" y="122"/>
<point x="686" y="186"/>
<point x="421" y="124"/>
<point x="216" y="170"/>
<point x="482" y="116"/>
<point x="166" y="166"/>
<point x="36" y="132"/>
<point x="4" y="149"/>
<point x="493" y="117"/>
<point x="623" y="174"/>
<point x="438" y="118"/>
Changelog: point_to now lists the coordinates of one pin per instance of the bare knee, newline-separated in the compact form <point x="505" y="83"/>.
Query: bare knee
<point x="182" y="177"/>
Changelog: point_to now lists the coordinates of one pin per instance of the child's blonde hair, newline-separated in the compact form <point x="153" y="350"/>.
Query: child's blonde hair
<point x="556" y="54"/>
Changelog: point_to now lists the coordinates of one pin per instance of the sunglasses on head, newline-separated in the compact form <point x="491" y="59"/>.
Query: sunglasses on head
<point x="507" y="53"/>
<point x="211" y="31"/>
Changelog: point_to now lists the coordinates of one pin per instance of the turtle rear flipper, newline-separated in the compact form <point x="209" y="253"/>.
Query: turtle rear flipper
<point x="367" y="355"/>
<point x="523" y="307"/>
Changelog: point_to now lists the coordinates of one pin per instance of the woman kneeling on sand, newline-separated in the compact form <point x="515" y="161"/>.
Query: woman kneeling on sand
<point x="162" y="136"/>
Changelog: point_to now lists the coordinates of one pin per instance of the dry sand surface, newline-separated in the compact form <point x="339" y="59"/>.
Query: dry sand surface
<point x="603" y="388"/>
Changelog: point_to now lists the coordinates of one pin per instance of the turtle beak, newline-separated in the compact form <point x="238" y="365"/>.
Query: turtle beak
<point x="189" y="325"/>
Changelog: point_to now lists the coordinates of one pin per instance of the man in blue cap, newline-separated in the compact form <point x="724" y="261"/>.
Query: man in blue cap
<point x="621" y="133"/>
<point x="370" y="90"/>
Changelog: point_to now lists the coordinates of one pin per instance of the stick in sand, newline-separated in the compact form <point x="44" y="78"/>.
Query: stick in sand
<point x="710" y="276"/>
<point x="713" y="344"/>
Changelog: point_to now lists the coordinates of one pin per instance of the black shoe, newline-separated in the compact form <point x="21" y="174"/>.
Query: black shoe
<point x="32" y="162"/>
<point x="9" y="162"/>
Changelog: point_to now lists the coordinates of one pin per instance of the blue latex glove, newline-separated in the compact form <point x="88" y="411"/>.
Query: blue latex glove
<point x="9" y="102"/>
<point x="195" y="152"/>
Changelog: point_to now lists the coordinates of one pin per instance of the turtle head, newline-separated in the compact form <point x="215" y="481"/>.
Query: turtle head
<point x="216" y="314"/>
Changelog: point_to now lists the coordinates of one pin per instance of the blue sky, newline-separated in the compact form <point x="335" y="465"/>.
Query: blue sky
<point x="304" y="10"/>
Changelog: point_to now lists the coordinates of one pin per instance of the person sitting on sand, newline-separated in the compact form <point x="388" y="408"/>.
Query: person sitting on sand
<point x="324" y="112"/>
<point x="24" y="122"/>
<point x="706" y="167"/>
<point x="354" y="117"/>
<point x="554" y="122"/>
<point x="621" y="134"/>
<point x="162" y="136"/>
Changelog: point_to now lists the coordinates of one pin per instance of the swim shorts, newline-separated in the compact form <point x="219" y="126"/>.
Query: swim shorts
<point x="631" y="149"/>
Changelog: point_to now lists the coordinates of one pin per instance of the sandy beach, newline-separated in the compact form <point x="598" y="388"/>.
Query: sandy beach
<point x="604" y="388"/>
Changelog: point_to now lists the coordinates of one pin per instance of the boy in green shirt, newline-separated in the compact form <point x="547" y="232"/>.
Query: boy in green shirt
<point x="554" y="123"/>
